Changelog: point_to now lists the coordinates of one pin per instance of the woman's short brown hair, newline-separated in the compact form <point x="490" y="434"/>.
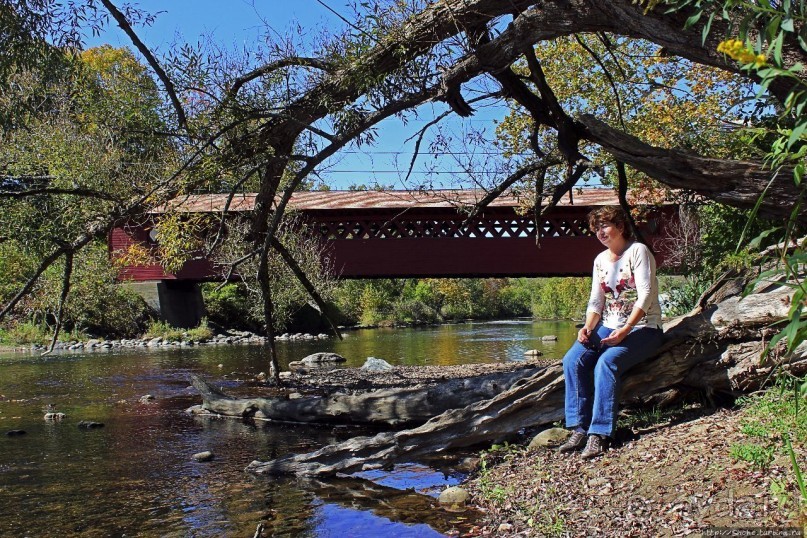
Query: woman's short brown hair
<point x="613" y="214"/>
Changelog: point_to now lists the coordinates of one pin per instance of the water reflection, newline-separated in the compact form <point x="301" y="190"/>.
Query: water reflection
<point x="135" y="475"/>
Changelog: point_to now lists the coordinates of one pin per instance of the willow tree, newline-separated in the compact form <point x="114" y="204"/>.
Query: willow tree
<point x="274" y="117"/>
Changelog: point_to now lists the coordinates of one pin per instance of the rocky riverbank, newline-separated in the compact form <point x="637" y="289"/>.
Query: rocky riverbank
<point x="99" y="344"/>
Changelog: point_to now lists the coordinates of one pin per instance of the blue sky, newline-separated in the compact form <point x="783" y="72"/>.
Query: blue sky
<point x="235" y="23"/>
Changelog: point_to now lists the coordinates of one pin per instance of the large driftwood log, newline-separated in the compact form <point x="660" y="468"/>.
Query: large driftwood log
<point x="393" y="406"/>
<point x="717" y="345"/>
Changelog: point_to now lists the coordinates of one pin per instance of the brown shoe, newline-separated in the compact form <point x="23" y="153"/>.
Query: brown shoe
<point x="594" y="447"/>
<point x="575" y="442"/>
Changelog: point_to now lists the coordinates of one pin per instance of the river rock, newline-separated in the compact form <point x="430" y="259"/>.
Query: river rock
<point x="373" y="364"/>
<point x="90" y="425"/>
<point x="54" y="417"/>
<point x="15" y="433"/>
<point x="549" y="438"/>
<point x="207" y="455"/>
<point x="147" y="398"/>
<point x="322" y="357"/>
<point x="454" y="496"/>
<point x="468" y="465"/>
<point x="549" y="338"/>
<point x="532" y="353"/>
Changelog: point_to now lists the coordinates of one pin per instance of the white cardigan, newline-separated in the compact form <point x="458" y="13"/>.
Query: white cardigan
<point x="617" y="286"/>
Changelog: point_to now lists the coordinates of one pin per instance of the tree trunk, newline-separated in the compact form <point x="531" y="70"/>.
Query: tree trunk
<point x="716" y="346"/>
<point x="392" y="407"/>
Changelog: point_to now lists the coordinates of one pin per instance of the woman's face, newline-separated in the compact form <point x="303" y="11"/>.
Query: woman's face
<point x="608" y="233"/>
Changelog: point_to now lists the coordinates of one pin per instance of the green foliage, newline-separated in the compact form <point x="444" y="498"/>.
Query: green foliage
<point x="96" y="303"/>
<point x="244" y="305"/>
<point x="681" y="295"/>
<point x="758" y="33"/>
<point x="556" y="298"/>
<point x="781" y="410"/>
<point x="776" y="420"/>
<point x="229" y="305"/>
<point x="430" y="300"/>
<point x="666" y="101"/>
<point x="157" y="328"/>
<point x="27" y="333"/>
<point x="758" y="456"/>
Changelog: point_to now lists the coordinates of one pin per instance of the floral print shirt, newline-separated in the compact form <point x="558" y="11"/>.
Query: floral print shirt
<point x="618" y="286"/>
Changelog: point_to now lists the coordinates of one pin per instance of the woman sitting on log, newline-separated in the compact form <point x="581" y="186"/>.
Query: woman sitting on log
<point x="623" y="328"/>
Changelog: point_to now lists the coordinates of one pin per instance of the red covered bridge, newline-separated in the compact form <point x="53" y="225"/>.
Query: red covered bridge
<point x="374" y="234"/>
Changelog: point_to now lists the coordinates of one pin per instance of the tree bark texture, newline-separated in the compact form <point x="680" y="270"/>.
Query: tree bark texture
<point x="391" y="407"/>
<point x="717" y="346"/>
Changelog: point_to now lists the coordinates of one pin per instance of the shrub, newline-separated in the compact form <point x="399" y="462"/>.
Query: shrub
<point x="158" y="328"/>
<point x="229" y="305"/>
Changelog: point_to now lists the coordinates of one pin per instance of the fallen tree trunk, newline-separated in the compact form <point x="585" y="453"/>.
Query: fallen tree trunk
<point x="393" y="407"/>
<point x="717" y="345"/>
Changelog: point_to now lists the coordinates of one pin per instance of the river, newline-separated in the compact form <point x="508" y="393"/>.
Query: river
<point x="135" y="475"/>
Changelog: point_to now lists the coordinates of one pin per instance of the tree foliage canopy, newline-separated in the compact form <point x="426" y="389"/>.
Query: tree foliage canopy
<point x="273" y="116"/>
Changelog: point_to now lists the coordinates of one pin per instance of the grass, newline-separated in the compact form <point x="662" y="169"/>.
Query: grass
<point x="28" y="333"/>
<point x="775" y="423"/>
<point x="641" y="418"/>
<point x="758" y="456"/>
<point x="165" y="331"/>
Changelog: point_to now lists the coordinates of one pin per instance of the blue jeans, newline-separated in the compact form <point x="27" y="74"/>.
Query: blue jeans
<point x="593" y="376"/>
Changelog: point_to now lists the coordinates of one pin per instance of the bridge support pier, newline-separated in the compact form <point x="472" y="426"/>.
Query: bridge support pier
<point x="178" y="303"/>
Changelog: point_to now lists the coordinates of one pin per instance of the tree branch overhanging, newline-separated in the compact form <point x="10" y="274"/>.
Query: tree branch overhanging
<point x="124" y="25"/>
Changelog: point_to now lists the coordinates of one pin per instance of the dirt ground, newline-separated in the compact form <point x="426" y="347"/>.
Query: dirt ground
<point x="673" y="479"/>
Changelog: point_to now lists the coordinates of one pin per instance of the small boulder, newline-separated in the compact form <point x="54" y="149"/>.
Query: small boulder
<point x="147" y="398"/>
<point x="373" y="364"/>
<point x="323" y="357"/>
<point x="90" y="425"/>
<point x="454" y="495"/>
<point x="54" y="417"/>
<point x="468" y="465"/>
<point x="550" y="438"/>
<point x="207" y="455"/>
<point x="549" y="338"/>
<point x="532" y="353"/>
<point x="15" y="433"/>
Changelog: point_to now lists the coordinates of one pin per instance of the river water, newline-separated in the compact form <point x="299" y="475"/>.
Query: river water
<point x="135" y="475"/>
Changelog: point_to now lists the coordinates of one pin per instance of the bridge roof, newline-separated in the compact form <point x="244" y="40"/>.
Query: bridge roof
<point x="389" y="199"/>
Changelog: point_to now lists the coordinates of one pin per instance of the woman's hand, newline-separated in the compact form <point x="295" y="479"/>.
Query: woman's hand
<point x="616" y="336"/>
<point x="582" y="335"/>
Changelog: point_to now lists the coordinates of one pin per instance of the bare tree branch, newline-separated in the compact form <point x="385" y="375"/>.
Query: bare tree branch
<point x="84" y="193"/>
<point x="293" y="61"/>
<point x="422" y="132"/>
<point x="302" y="277"/>
<point x="497" y="191"/>
<point x="124" y="25"/>
<point x="607" y="74"/>
<point x="622" y="194"/>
